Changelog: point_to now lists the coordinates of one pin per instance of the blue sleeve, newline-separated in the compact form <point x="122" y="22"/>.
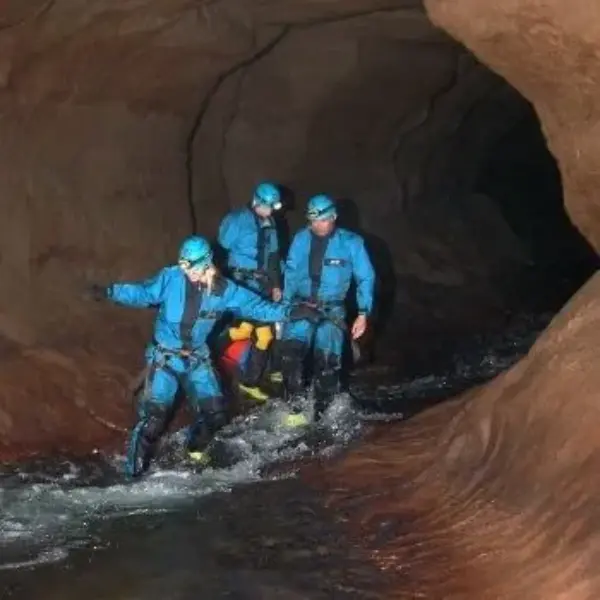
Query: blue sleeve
<point x="364" y="275"/>
<point x="228" y="232"/>
<point x="246" y="304"/>
<point x="140" y="294"/>
<point x="290" y="281"/>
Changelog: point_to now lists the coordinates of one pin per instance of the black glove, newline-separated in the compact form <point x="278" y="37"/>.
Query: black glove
<point x="97" y="292"/>
<point x="304" y="312"/>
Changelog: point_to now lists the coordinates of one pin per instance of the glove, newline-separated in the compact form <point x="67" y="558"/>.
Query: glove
<point x="304" y="312"/>
<point x="97" y="292"/>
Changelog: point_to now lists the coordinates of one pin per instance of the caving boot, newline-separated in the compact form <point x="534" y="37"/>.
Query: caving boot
<point x="143" y="439"/>
<point x="195" y="445"/>
<point x="139" y="455"/>
<point x="255" y="393"/>
<point x="209" y="420"/>
<point x="276" y="377"/>
<point x="199" y="458"/>
<point x="294" y="418"/>
<point x="257" y="360"/>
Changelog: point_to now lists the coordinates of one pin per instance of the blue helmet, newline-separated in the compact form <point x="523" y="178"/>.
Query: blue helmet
<point x="321" y="207"/>
<point x="267" y="194"/>
<point x="195" y="252"/>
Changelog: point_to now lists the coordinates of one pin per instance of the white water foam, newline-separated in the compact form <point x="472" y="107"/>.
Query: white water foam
<point x="44" y="519"/>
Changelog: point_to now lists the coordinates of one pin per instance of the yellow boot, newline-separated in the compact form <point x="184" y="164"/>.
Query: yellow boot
<point x="295" y="420"/>
<point x="200" y="458"/>
<point x="255" y="393"/>
<point x="276" y="377"/>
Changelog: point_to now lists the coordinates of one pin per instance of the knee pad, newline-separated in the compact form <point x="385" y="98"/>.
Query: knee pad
<point x="264" y="337"/>
<point x="290" y="355"/>
<point x="327" y="372"/>
<point x="153" y="422"/>
<point x="242" y="332"/>
<point x="291" y="350"/>
<point x="327" y="361"/>
<point x="214" y="404"/>
<point x="210" y="418"/>
<point x="215" y="420"/>
<point x="291" y="363"/>
<point x="144" y="436"/>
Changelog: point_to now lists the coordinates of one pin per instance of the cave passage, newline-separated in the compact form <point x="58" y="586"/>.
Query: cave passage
<point x="436" y="160"/>
<point x="128" y="125"/>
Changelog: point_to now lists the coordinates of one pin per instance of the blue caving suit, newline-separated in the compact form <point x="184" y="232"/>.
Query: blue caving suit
<point x="319" y="271"/>
<point x="252" y="250"/>
<point x="178" y="353"/>
<point x="253" y="260"/>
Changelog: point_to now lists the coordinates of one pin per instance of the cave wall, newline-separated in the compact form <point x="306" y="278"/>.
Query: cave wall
<point x="546" y="50"/>
<point x="395" y="120"/>
<point x="127" y="125"/>
<point x="497" y="489"/>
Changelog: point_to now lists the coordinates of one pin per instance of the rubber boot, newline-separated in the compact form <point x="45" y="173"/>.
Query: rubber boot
<point x="143" y="439"/>
<point x="257" y="361"/>
<point x="275" y="375"/>
<point x="291" y="360"/>
<point x="211" y="420"/>
<point x="327" y="377"/>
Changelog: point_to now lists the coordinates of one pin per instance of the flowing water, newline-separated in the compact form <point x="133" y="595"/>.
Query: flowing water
<point x="245" y="530"/>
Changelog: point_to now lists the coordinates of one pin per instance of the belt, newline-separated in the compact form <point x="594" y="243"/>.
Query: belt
<point x="325" y="304"/>
<point x="183" y="352"/>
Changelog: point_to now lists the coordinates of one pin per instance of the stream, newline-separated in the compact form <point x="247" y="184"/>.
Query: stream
<point x="247" y="530"/>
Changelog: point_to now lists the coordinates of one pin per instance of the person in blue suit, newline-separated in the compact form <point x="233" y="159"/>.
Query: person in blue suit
<point x="249" y="236"/>
<point x="321" y="263"/>
<point x="190" y="297"/>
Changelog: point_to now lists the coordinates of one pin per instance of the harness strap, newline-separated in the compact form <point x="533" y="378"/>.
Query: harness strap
<point x="210" y="314"/>
<point x="241" y="273"/>
<point x="166" y="353"/>
<point x="324" y="306"/>
<point x="320" y="304"/>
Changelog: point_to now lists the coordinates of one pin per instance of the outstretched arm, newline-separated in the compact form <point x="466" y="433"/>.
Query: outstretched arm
<point x="139" y="294"/>
<point x="246" y="304"/>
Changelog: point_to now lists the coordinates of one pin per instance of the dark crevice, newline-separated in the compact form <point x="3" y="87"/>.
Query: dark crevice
<point x="41" y="11"/>
<point x="410" y="184"/>
<point x="205" y="105"/>
<point x="454" y="178"/>
<point x="413" y="183"/>
<point x="437" y="153"/>
<point x="349" y="16"/>
<point x="286" y="28"/>
<point x="426" y="181"/>
<point x="233" y="113"/>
